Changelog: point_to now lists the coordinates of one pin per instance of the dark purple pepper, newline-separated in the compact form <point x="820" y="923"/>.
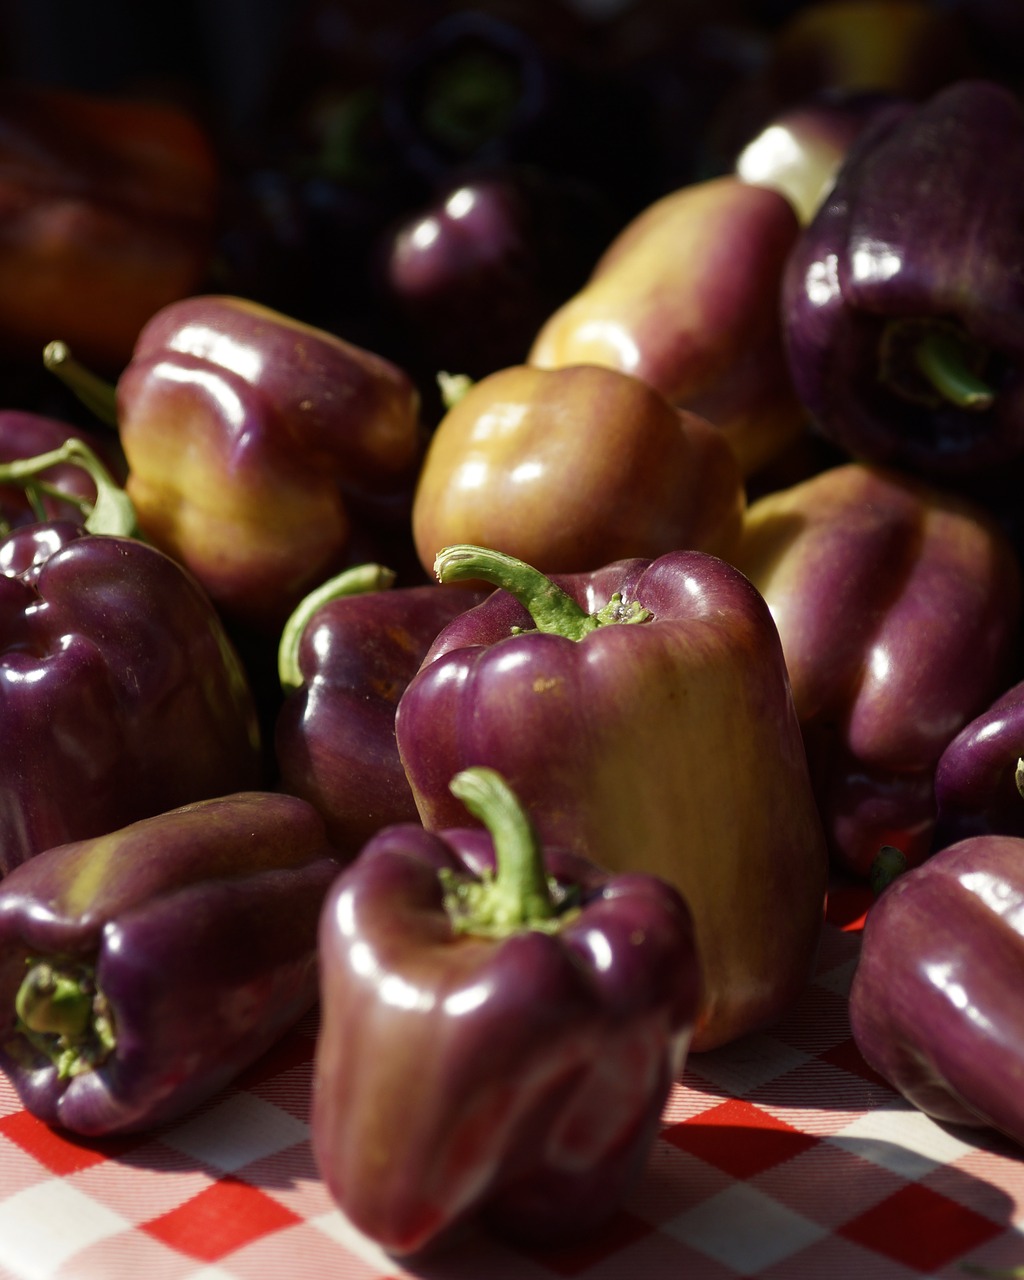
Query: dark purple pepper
<point x="935" y="1000"/>
<point x="976" y="787"/>
<point x="140" y="971"/>
<point x="903" y="302"/>
<point x="345" y="658"/>
<point x="536" y="1008"/>
<point x="120" y="695"/>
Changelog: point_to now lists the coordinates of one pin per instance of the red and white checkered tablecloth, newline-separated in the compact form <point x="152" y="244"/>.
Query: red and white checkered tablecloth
<point x="781" y="1157"/>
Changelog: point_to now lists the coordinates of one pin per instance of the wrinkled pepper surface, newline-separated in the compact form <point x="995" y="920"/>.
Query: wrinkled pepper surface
<point x="345" y="657"/>
<point x="644" y="716"/>
<point x="898" y="606"/>
<point x="140" y="971"/>
<point x="108" y="214"/>
<point x="903" y="318"/>
<point x="572" y="468"/>
<point x="935" y="1000"/>
<point x="535" y="1007"/>
<point x="120" y="693"/>
<point x="686" y="297"/>
<point x="256" y="444"/>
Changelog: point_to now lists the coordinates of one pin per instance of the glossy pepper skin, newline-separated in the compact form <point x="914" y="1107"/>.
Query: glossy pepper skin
<point x="976" y="785"/>
<point x="140" y="971"/>
<point x="903" y="314"/>
<point x="345" y="657"/>
<point x="662" y="739"/>
<point x="935" y="1000"/>
<point x="539" y="1043"/>
<point x="120" y="695"/>
<point x="898" y="606"/>
<point x="256" y="443"/>
<point x="686" y="298"/>
<point x="108" y="214"/>
<point x="572" y="468"/>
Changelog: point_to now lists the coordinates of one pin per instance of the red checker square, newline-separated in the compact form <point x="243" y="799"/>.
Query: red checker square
<point x="228" y="1215"/>
<point x="848" y="906"/>
<point x="920" y="1228"/>
<point x="739" y="1138"/>
<point x="622" y="1230"/>
<point x="57" y="1151"/>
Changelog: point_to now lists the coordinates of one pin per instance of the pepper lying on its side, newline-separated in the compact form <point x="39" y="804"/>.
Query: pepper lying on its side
<point x="532" y="1008"/>
<point x="935" y="1002"/>
<point x="142" y="970"/>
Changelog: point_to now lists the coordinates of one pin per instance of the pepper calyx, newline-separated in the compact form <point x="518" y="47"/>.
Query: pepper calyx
<point x="518" y="894"/>
<point x="64" y="1016"/>
<point x="553" y="610"/>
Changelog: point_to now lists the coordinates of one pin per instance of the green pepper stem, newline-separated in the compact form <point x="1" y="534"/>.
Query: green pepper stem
<point x="62" y="1015"/>
<point x="943" y="358"/>
<point x="553" y="610"/>
<point x="358" y="580"/>
<point x="111" y="513"/>
<point x="517" y="896"/>
<point x="889" y="864"/>
<point x="98" y="395"/>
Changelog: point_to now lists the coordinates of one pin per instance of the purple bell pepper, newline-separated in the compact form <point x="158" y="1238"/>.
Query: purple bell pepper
<point x="142" y="970"/>
<point x="501" y="1024"/>
<point x="345" y="657"/>
<point x="120" y="693"/>
<point x="977" y="780"/>
<point x="935" y="1001"/>
<point x="903" y="313"/>
<point x="643" y="715"/>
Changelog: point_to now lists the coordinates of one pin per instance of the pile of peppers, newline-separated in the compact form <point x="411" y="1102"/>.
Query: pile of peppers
<point x="492" y="588"/>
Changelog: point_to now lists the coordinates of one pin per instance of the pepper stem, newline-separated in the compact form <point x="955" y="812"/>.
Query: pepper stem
<point x="112" y="511"/>
<point x="553" y="610"/>
<point x="889" y="863"/>
<point x="934" y="363"/>
<point x="944" y="359"/>
<point x="355" y="581"/>
<point x="63" y="1015"/>
<point x="517" y="896"/>
<point x="94" y="392"/>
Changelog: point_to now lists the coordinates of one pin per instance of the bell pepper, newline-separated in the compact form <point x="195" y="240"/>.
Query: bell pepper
<point x="535" y="1007"/>
<point x="572" y="468"/>
<point x="935" y="998"/>
<point x="898" y="606"/>
<point x="977" y="781"/>
<point x="141" y="970"/>
<point x="121" y="694"/>
<point x="686" y="297"/>
<point x="473" y="275"/>
<point x="903" y="324"/>
<point x="109" y="212"/>
<point x="643" y="714"/>
<point x="256" y="445"/>
<point x="345" y="656"/>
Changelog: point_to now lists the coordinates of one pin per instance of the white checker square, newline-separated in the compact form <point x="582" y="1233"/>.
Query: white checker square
<point x="744" y="1229"/>
<point x="237" y="1132"/>
<point x="902" y="1139"/>
<point x="746" y="1065"/>
<point x="45" y="1225"/>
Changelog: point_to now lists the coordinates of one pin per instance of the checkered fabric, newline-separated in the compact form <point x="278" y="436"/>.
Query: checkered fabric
<point x="782" y="1157"/>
